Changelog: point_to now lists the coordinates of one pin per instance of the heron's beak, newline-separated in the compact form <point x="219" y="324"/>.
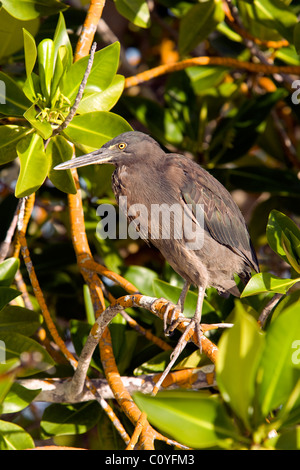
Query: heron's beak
<point x="102" y="155"/>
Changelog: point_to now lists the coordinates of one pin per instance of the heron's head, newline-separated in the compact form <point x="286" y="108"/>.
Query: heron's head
<point x="128" y="147"/>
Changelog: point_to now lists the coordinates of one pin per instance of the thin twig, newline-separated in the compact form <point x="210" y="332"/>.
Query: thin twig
<point x="79" y="95"/>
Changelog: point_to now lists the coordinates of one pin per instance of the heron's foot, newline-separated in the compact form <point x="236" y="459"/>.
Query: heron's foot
<point x="169" y="329"/>
<point x="193" y="325"/>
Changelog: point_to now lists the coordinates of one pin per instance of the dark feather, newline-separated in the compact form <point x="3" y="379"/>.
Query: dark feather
<point x="222" y="217"/>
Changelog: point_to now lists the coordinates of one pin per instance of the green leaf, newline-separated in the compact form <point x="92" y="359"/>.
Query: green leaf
<point x="61" y="419"/>
<point x="59" y="151"/>
<point x="267" y="282"/>
<point x="11" y="36"/>
<point x="18" y="398"/>
<point x="7" y="294"/>
<point x="195" y="419"/>
<point x="13" y="437"/>
<point x="275" y="14"/>
<point x="61" y="38"/>
<point x="206" y="77"/>
<point x="8" y="269"/>
<point x="102" y="100"/>
<point x="240" y="350"/>
<point x="46" y="58"/>
<point x="155" y="364"/>
<point x="88" y="304"/>
<point x="19" y="319"/>
<point x="10" y="135"/>
<point x="34" y="165"/>
<point x="291" y="246"/>
<point x="16" y="344"/>
<point x="30" y="58"/>
<point x="8" y="370"/>
<point x="279" y="223"/>
<point x="29" y="9"/>
<point x="297" y="37"/>
<point x="198" y="23"/>
<point x="43" y="128"/>
<point x="136" y="11"/>
<point x="279" y="369"/>
<point x="286" y="440"/>
<point x="142" y="278"/>
<point x="12" y="99"/>
<point x="59" y="71"/>
<point x="91" y="130"/>
<point x="105" y="66"/>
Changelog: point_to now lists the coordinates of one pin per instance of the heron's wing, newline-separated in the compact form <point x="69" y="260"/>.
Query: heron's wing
<point x="222" y="217"/>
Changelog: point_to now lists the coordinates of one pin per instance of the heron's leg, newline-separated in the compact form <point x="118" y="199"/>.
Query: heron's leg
<point x="197" y="317"/>
<point x="180" y="304"/>
<point x="194" y="323"/>
<point x="181" y="300"/>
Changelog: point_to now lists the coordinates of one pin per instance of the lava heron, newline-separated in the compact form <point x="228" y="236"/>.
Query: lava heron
<point x="148" y="177"/>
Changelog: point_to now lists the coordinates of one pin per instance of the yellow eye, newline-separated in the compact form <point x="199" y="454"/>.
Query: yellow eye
<point x="122" y="146"/>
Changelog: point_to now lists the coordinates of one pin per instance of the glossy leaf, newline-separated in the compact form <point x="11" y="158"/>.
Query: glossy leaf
<point x="142" y="278"/>
<point x="8" y="269"/>
<point x="59" y="71"/>
<point x="30" y="58"/>
<point x="19" y="320"/>
<point x="287" y="440"/>
<point x="136" y="11"/>
<point x="279" y="368"/>
<point x="61" y="419"/>
<point x="34" y="165"/>
<point x="11" y="35"/>
<point x="59" y="151"/>
<point x="104" y="68"/>
<point x="61" y="38"/>
<point x="102" y="100"/>
<point x="198" y="23"/>
<point x="277" y="15"/>
<point x="267" y="282"/>
<point x="10" y="135"/>
<point x="91" y="130"/>
<point x="7" y="294"/>
<point x="46" y="62"/>
<point x="240" y="350"/>
<point x="291" y="246"/>
<point x="297" y="37"/>
<point x="203" y="78"/>
<point x="18" y="398"/>
<point x="13" y="437"/>
<point x="16" y="344"/>
<point x="193" y="418"/>
<point x="278" y="224"/>
<point x="8" y="371"/>
<point x="33" y="8"/>
<point x="13" y="102"/>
